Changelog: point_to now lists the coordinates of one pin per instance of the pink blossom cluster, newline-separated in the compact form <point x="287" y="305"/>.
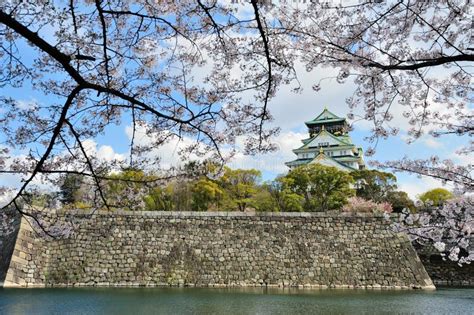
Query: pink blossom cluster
<point x="449" y="228"/>
<point x="361" y="205"/>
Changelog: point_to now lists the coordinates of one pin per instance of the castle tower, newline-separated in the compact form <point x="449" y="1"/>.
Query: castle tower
<point x="329" y="144"/>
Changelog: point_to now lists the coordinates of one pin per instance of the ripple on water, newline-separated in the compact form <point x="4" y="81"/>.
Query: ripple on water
<point x="233" y="301"/>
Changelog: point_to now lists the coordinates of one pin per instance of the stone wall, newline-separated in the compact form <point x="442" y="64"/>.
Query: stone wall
<point x="219" y="249"/>
<point x="9" y="226"/>
<point x="445" y="272"/>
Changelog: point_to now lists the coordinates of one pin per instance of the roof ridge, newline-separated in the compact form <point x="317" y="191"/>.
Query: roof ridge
<point x="333" y="136"/>
<point x="309" y="140"/>
<point x="332" y="159"/>
<point x="328" y="111"/>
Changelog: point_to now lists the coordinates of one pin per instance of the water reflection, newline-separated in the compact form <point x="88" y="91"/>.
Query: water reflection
<point x="233" y="301"/>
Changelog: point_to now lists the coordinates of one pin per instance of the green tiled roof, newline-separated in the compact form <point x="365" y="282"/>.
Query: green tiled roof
<point x="298" y="162"/>
<point x="344" y="140"/>
<point x="347" y="158"/>
<point x="342" y="164"/>
<point x="325" y="117"/>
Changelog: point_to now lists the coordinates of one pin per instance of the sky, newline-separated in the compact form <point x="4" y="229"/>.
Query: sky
<point x="290" y="111"/>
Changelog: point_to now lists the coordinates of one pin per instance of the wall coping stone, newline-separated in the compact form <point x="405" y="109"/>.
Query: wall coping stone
<point x="193" y="214"/>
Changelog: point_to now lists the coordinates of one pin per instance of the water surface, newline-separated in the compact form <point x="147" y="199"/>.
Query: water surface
<point x="233" y="301"/>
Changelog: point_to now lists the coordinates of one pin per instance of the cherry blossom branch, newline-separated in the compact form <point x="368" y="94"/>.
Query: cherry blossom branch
<point x="269" y="59"/>
<point x="104" y="39"/>
<point x="49" y="148"/>
<point x="89" y="163"/>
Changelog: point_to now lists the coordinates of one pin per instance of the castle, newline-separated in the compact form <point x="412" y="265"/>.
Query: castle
<point x="329" y="144"/>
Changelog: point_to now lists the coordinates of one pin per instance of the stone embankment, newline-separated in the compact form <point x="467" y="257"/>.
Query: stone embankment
<point x="313" y="250"/>
<point x="445" y="272"/>
<point x="9" y="225"/>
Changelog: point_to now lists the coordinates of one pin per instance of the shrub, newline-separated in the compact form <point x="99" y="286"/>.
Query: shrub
<point x="436" y="197"/>
<point x="357" y="204"/>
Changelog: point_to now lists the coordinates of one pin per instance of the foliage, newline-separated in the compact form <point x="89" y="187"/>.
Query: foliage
<point x="241" y="186"/>
<point x="360" y="205"/>
<point x="38" y="199"/>
<point x="160" y="199"/>
<point x="125" y="190"/>
<point x="322" y="187"/>
<point x="100" y="63"/>
<point x="436" y="197"/>
<point x="264" y="201"/>
<point x="400" y="200"/>
<point x="238" y="190"/>
<point x="70" y="188"/>
<point x="381" y="187"/>
<point x="374" y="185"/>
<point x="182" y="194"/>
<point x="279" y="197"/>
<point x="291" y="202"/>
<point x="206" y="195"/>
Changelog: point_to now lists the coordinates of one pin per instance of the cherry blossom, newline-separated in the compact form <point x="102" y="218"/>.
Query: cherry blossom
<point x="182" y="69"/>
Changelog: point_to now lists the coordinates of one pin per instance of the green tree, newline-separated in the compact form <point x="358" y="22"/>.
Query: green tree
<point x="206" y="195"/>
<point x="400" y="200"/>
<point x="126" y="189"/>
<point x="181" y="190"/>
<point x="374" y="185"/>
<point x="159" y="198"/>
<point x="437" y="196"/>
<point x="322" y="187"/>
<point x="278" y="197"/>
<point x="264" y="201"/>
<point x="240" y="186"/>
<point x="69" y="189"/>
<point x="291" y="202"/>
<point x="40" y="199"/>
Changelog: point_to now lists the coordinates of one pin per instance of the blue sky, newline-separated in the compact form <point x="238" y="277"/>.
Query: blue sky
<point x="290" y="111"/>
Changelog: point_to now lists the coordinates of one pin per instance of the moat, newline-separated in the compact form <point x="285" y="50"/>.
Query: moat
<point x="233" y="301"/>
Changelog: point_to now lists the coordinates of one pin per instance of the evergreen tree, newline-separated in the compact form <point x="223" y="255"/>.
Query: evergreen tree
<point x="322" y="187"/>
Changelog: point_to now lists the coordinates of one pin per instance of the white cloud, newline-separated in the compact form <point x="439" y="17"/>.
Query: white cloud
<point x="5" y="197"/>
<point x="102" y="152"/>
<point x="291" y="110"/>
<point x="426" y="140"/>
<point x="432" y="143"/>
<point x="26" y="104"/>
<point x="273" y="162"/>
<point x="15" y="180"/>
<point x="415" y="186"/>
<point x="168" y="153"/>
<point x="462" y="159"/>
